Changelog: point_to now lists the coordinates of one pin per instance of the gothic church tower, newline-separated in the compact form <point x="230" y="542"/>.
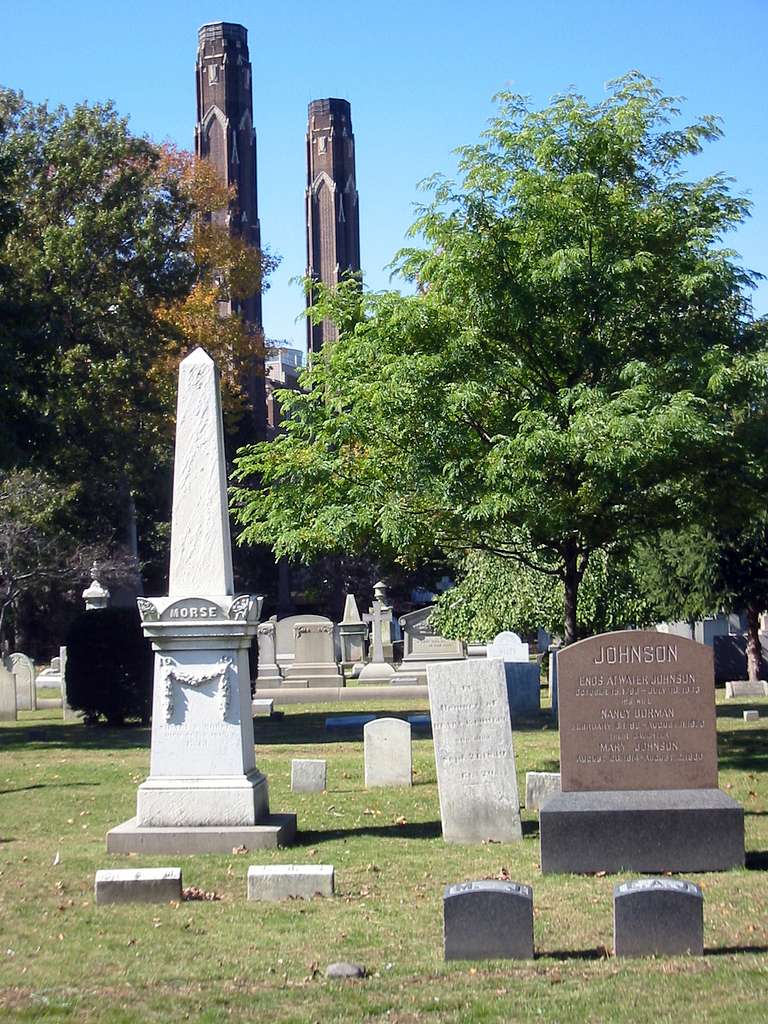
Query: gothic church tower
<point x="333" y="221"/>
<point x="224" y="135"/>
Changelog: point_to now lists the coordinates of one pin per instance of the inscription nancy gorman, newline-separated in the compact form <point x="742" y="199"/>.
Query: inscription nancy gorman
<point x="642" y="728"/>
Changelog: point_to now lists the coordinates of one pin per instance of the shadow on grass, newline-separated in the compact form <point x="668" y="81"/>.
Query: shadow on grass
<point x="530" y="828"/>
<point x="746" y="750"/>
<point x="412" y="830"/>
<point x="729" y="711"/>
<point x="572" y="954"/>
<point x="309" y="727"/>
<point x="97" y="737"/>
<point x="756" y="860"/>
<point x="731" y="950"/>
<point x="46" y="785"/>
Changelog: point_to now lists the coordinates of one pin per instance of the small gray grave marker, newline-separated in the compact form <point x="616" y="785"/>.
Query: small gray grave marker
<point x="658" y="917"/>
<point x="488" y="921"/>
<point x="274" y="882"/>
<point x="308" y="775"/>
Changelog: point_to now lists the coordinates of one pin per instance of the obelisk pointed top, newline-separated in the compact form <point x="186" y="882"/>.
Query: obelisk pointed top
<point x="351" y="611"/>
<point x="201" y="549"/>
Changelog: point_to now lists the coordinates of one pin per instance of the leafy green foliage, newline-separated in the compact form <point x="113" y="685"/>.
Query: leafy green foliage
<point x="495" y="594"/>
<point x="549" y="392"/>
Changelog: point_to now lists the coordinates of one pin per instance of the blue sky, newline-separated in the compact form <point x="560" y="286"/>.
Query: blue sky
<point x="419" y="74"/>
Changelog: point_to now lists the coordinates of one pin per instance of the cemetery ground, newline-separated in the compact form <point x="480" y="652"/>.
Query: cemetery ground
<point x="63" y="958"/>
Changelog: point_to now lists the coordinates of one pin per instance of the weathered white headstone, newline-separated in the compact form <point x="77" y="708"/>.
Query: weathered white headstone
<point x="523" y="682"/>
<point x="69" y="713"/>
<point x="23" y="669"/>
<point x="203" y="773"/>
<point x="539" y="786"/>
<point x="387" y="751"/>
<point x="474" y="754"/>
<point x="285" y="638"/>
<point x="7" y="694"/>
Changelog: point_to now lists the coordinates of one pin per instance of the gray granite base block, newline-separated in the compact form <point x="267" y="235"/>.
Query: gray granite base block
<point x="143" y="885"/>
<point x="642" y="830"/>
<point x="274" y="882"/>
<point x="658" y="917"/>
<point x="488" y="920"/>
<point x="276" y="830"/>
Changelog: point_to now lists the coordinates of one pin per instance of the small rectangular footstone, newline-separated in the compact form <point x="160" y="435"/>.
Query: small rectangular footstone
<point x="658" y="917"/>
<point x="751" y="716"/>
<point x="142" y="885"/>
<point x="539" y="786"/>
<point x="274" y="882"/>
<point x="488" y="920"/>
<point x="262" y="707"/>
<point x="308" y="775"/>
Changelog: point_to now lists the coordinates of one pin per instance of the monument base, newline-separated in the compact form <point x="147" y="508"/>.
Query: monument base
<point x="642" y="830"/>
<point x="201" y="802"/>
<point x="275" y="830"/>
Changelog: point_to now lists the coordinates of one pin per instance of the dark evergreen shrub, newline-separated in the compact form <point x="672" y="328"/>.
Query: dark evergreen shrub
<point x="109" y="666"/>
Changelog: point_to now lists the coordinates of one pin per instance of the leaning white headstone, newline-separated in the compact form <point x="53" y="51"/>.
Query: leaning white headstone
<point x="387" y="752"/>
<point x="474" y="754"/>
<point x="7" y="694"/>
<point x="23" y="669"/>
<point x="204" y="792"/>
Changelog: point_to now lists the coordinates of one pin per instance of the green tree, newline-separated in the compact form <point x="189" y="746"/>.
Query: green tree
<point x="546" y="393"/>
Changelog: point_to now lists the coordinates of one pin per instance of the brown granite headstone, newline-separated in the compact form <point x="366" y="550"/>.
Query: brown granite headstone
<point x="637" y="711"/>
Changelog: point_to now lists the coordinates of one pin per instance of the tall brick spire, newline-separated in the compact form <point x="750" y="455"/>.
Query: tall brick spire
<point x="224" y="135"/>
<point x="333" y="221"/>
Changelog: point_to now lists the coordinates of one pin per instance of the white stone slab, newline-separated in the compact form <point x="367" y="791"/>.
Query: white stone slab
<point x="23" y="669"/>
<point x="142" y="885"/>
<point x="387" y="752"/>
<point x="7" y="694"/>
<point x="539" y="786"/>
<point x="474" y="754"/>
<point x="289" y="881"/>
<point x="308" y="775"/>
<point x="262" y="707"/>
<point x="201" y="549"/>
<point x="751" y="716"/>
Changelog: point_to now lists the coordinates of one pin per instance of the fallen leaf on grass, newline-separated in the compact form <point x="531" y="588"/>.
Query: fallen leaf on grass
<point x="192" y="892"/>
<point x="401" y="820"/>
<point x="239" y="849"/>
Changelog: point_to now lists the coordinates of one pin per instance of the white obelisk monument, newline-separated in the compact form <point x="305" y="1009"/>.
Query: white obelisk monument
<point x="204" y="792"/>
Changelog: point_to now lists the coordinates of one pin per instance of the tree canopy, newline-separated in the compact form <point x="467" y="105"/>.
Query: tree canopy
<point x="549" y="391"/>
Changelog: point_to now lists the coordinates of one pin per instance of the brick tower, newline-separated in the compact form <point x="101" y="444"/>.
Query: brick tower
<point x="224" y="135"/>
<point x="333" y="221"/>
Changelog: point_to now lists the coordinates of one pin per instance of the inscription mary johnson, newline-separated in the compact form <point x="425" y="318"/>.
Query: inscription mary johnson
<point x="643" y="728"/>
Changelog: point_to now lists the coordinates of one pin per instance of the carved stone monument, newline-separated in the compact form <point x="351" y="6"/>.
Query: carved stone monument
<point x="353" y="633"/>
<point x="204" y="792"/>
<point x="314" y="661"/>
<point x="378" y="670"/>
<point x="268" y="674"/>
<point x="423" y="645"/>
<point x="638" y="760"/>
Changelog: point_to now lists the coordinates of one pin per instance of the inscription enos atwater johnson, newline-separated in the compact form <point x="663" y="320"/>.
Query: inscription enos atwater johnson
<point x="637" y="711"/>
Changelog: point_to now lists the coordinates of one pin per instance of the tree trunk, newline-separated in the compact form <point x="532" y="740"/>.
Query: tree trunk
<point x="571" y="581"/>
<point x="754" y="652"/>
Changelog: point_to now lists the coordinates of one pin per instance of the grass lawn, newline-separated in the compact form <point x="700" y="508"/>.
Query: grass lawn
<point x="63" y="959"/>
